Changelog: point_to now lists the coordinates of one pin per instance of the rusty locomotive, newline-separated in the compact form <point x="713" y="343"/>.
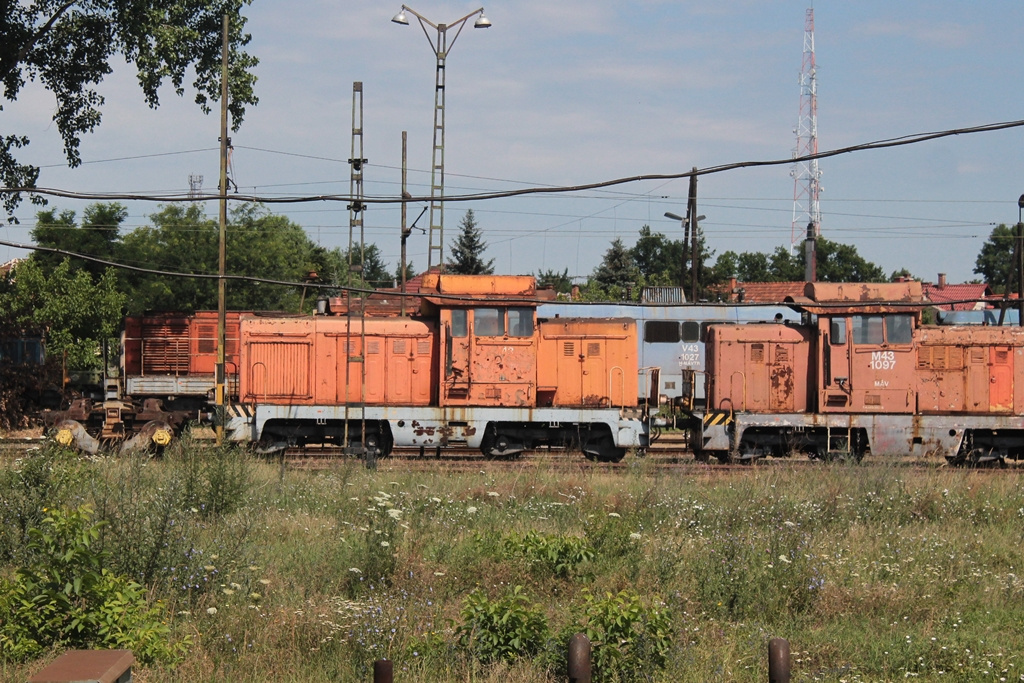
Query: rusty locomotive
<point x="861" y="374"/>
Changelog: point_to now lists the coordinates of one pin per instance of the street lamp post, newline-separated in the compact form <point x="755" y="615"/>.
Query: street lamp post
<point x="441" y="47"/>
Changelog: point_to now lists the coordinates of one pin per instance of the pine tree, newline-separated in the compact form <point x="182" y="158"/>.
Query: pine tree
<point x="468" y="250"/>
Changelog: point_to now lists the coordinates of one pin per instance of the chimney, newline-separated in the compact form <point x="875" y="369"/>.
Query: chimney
<point x="942" y="281"/>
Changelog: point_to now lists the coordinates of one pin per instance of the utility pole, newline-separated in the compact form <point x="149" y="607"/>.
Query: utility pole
<point x="691" y="214"/>
<point x="222" y="308"/>
<point x="405" y="196"/>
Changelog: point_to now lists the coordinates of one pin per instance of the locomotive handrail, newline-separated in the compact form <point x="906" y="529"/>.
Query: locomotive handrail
<point x="743" y="384"/>
<point x="622" y="384"/>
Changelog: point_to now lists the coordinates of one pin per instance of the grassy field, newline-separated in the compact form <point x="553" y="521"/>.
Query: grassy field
<point x="872" y="572"/>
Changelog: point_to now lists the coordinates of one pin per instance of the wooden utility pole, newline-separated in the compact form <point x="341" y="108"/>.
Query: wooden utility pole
<point x="691" y="214"/>
<point x="405" y="229"/>
<point x="222" y="250"/>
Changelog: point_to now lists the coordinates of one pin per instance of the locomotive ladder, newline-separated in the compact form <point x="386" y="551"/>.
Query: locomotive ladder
<point x="356" y="228"/>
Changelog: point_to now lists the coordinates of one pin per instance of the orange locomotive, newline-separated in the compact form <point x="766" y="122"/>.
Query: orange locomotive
<point x="475" y="369"/>
<point x="862" y="374"/>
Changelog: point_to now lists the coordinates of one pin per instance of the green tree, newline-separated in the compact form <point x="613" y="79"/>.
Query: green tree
<point x="841" y="263"/>
<point x="375" y="272"/>
<point x="659" y="259"/>
<point x="995" y="260"/>
<point x="560" y="282"/>
<point x="182" y="239"/>
<point x="77" y="313"/>
<point x="98" y="236"/>
<point x="467" y="252"/>
<point x="69" y="46"/>
<point x="617" y="272"/>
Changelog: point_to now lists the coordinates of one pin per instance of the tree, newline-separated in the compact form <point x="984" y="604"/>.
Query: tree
<point x="618" y="271"/>
<point x="995" y="262"/>
<point x="560" y="282"/>
<point x="77" y="313"/>
<point x="182" y="239"/>
<point x="841" y="263"/>
<point x="467" y="252"/>
<point x="98" y="236"/>
<point x="659" y="259"/>
<point x="69" y="46"/>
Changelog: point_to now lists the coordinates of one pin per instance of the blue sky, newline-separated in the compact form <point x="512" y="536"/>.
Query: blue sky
<point x="569" y="92"/>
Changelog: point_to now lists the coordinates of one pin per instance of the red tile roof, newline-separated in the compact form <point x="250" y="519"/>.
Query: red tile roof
<point x="959" y="297"/>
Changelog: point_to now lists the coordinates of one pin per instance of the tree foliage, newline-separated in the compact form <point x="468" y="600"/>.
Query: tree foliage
<point x="183" y="240"/>
<point x="836" y="263"/>
<point x="77" y="313"/>
<point x="995" y="260"/>
<point x="69" y="46"/>
<point x="467" y="252"/>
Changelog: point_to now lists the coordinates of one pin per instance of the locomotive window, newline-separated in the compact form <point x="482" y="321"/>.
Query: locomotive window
<point x="837" y="330"/>
<point x="704" y="330"/>
<point x="661" y="332"/>
<point x="867" y="329"/>
<point x="459" y="327"/>
<point x="488" y="322"/>
<point x="899" y="329"/>
<point x="691" y="331"/>
<point x="520" y="322"/>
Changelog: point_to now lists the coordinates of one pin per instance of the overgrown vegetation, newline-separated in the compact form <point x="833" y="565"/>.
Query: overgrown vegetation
<point x="873" y="572"/>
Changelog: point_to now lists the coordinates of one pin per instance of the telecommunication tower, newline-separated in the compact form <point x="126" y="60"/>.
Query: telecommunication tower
<point x="195" y="185"/>
<point x="806" y="174"/>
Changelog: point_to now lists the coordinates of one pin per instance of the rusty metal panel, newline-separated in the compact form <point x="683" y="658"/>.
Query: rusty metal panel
<point x="480" y="285"/>
<point x="280" y="370"/>
<point x="759" y="368"/>
<point x="588" y="362"/>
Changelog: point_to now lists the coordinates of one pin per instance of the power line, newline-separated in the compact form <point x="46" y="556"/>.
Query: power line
<point x="878" y="144"/>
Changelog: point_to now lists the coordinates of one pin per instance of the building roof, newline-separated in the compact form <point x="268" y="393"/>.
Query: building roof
<point x="957" y="297"/>
<point x="5" y="268"/>
<point x="765" y="292"/>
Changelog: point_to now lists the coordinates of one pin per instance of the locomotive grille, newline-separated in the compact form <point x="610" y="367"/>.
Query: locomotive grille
<point x="568" y="348"/>
<point x="165" y="348"/>
<point x="757" y="353"/>
<point x="398" y="346"/>
<point x="593" y="349"/>
<point x="373" y="346"/>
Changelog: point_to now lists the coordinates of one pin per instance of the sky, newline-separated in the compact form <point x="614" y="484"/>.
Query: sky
<point x="568" y="93"/>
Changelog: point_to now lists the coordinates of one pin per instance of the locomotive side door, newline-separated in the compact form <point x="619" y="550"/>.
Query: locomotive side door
<point x="834" y="373"/>
<point x="1001" y="380"/>
<point x="457" y="353"/>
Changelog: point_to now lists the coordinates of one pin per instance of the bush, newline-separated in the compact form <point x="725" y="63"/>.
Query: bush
<point x="67" y="598"/>
<point x="628" y="639"/>
<point x="560" y="555"/>
<point x="51" y="477"/>
<point x="501" y="630"/>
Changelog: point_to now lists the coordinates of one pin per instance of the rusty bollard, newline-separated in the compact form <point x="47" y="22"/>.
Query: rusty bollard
<point x="579" y="659"/>
<point x="778" y="660"/>
<point x="383" y="671"/>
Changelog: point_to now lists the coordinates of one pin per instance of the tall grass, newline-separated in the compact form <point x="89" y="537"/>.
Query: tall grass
<point x="872" y="572"/>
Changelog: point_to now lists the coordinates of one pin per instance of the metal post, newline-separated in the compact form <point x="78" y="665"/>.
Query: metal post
<point x="383" y="671"/>
<point x="778" y="660"/>
<point x="579" y="659"/>
<point x="1020" y="262"/>
<point x="222" y="250"/>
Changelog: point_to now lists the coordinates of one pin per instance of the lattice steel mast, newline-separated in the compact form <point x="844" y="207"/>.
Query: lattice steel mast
<point x="806" y="174"/>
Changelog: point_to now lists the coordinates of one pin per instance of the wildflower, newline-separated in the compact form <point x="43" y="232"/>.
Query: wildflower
<point x="265" y="582"/>
<point x="384" y="544"/>
<point x="209" y="567"/>
<point x="394" y="513"/>
<point x="614" y="514"/>
<point x="211" y="611"/>
<point x="355" y="570"/>
<point x="784" y="559"/>
<point x="471" y="510"/>
<point x="493" y="494"/>
<point x="635" y="536"/>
